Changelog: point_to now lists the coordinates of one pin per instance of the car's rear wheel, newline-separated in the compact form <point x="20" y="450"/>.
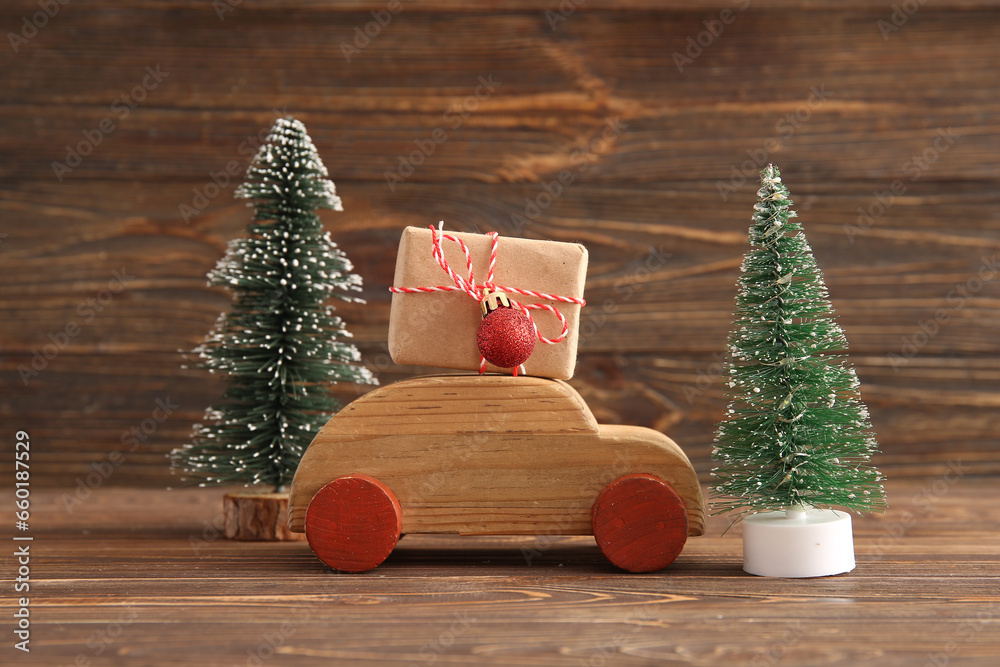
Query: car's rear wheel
<point x="353" y="523"/>
<point x="640" y="523"/>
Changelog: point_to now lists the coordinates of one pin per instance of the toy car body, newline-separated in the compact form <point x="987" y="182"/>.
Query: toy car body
<point x="490" y="455"/>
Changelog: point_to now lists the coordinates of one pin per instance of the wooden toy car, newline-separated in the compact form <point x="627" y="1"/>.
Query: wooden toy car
<point x="490" y="455"/>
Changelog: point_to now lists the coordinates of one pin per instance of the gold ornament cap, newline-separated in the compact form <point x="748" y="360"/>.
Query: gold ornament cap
<point x="492" y="300"/>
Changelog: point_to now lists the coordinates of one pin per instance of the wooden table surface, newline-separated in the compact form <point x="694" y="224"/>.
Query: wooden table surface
<point x="135" y="577"/>
<point x="139" y="577"/>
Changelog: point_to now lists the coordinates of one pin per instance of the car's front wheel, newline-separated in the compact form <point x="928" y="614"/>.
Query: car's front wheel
<point x="640" y="523"/>
<point x="353" y="523"/>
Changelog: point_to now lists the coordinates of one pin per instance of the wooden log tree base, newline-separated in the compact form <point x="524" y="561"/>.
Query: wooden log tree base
<point x="640" y="523"/>
<point x="257" y="517"/>
<point x="353" y="523"/>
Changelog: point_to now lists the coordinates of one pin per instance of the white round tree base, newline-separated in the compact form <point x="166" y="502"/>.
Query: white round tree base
<point x="798" y="543"/>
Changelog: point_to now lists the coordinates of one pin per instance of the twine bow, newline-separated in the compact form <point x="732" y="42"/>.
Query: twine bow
<point x="476" y="290"/>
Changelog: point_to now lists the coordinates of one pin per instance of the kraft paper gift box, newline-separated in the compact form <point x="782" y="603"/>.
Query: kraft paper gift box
<point x="439" y="328"/>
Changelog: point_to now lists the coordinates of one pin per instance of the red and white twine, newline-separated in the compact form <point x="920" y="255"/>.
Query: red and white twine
<point x="476" y="290"/>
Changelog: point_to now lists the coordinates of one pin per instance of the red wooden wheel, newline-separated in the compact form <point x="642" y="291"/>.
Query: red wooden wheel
<point x="353" y="523"/>
<point x="640" y="523"/>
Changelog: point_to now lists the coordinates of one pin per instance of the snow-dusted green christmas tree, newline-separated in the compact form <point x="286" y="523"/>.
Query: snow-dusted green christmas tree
<point x="281" y="345"/>
<point x="797" y="434"/>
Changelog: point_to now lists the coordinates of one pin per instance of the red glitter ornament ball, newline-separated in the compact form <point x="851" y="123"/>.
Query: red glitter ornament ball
<point x="506" y="337"/>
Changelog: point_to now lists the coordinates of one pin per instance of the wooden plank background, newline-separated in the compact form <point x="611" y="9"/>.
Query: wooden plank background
<point x="665" y="245"/>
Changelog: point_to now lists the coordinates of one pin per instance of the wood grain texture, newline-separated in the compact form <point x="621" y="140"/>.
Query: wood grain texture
<point x="353" y="523"/>
<point x="152" y="563"/>
<point x="639" y="523"/>
<point x="487" y="455"/>
<point x="664" y="245"/>
<point x="257" y="517"/>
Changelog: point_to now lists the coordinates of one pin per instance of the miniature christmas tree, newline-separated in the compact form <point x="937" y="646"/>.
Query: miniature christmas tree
<point x="281" y="344"/>
<point x="797" y="434"/>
